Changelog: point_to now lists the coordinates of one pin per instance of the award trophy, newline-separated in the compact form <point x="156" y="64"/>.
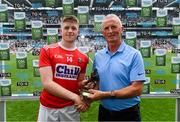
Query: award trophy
<point x="92" y="81"/>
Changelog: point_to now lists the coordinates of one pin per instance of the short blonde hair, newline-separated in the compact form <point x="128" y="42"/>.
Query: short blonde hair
<point x="70" y="18"/>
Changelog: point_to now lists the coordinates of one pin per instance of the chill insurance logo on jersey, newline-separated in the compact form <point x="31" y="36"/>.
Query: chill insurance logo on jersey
<point x="68" y="72"/>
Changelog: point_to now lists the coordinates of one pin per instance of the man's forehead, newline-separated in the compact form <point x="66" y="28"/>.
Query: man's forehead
<point x="110" y="21"/>
<point x="70" y="23"/>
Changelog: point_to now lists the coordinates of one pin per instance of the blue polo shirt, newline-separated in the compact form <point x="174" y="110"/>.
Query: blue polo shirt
<point x="117" y="71"/>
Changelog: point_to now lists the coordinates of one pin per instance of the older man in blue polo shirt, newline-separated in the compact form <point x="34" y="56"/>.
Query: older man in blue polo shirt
<point x="121" y="73"/>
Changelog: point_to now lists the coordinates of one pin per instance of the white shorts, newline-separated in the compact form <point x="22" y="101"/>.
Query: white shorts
<point x="68" y="113"/>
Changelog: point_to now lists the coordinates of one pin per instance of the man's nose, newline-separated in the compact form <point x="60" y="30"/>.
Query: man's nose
<point x="109" y="29"/>
<point x="69" y="30"/>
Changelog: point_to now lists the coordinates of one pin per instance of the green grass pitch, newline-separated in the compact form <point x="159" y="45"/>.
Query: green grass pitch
<point x="151" y="109"/>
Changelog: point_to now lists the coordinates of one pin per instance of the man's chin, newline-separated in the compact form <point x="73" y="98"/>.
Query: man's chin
<point x="112" y="38"/>
<point x="69" y="40"/>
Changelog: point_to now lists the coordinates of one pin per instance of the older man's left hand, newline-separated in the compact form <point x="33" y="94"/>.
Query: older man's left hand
<point x="95" y="94"/>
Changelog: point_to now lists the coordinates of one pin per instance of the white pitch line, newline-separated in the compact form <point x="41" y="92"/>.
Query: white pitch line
<point x="90" y="60"/>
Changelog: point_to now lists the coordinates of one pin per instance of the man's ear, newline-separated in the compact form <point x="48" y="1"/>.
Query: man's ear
<point x="103" y="32"/>
<point x="60" y="30"/>
<point x="122" y="28"/>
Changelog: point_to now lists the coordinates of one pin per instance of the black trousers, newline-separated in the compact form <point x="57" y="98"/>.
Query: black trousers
<point x="129" y="114"/>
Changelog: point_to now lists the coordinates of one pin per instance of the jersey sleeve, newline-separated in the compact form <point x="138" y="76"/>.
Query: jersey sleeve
<point x="137" y="72"/>
<point x="44" y="58"/>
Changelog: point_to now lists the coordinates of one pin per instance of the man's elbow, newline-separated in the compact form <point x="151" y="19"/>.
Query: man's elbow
<point x="139" y="93"/>
<point x="138" y="88"/>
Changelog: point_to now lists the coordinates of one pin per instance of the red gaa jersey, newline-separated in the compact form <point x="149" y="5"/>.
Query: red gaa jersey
<point x="66" y="66"/>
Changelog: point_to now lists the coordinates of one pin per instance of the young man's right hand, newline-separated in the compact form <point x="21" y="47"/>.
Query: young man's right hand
<point x="80" y="104"/>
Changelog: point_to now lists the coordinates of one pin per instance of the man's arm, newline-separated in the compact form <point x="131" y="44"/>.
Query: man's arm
<point x="135" y="89"/>
<point x="57" y="90"/>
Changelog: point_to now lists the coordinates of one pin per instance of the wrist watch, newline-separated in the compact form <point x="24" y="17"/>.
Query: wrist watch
<point x="113" y="94"/>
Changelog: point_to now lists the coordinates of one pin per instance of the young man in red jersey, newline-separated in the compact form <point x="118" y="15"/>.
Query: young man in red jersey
<point x="62" y="68"/>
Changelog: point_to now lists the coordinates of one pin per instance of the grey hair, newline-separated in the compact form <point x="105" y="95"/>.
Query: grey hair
<point x="112" y="16"/>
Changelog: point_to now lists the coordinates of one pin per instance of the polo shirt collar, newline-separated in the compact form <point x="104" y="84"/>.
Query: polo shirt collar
<point x="120" y="49"/>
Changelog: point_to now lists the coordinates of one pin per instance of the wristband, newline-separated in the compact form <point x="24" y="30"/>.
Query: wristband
<point x="113" y="94"/>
